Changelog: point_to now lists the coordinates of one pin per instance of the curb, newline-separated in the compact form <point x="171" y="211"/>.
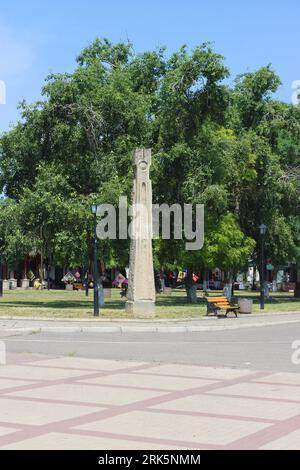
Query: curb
<point x="140" y="320"/>
<point x="142" y="329"/>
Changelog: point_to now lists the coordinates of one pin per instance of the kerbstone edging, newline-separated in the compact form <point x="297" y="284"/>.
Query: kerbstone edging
<point x="35" y="326"/>
<point x="141" y="320"/>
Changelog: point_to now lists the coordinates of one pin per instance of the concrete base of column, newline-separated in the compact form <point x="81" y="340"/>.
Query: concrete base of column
<point x="25" y="283"/>
<point x="5" y="284"/>
<point x="13" y="284"/>
<point x="141" y="308"/>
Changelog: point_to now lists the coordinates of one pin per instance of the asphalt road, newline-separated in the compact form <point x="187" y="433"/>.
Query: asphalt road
<point x="266" y="347"/>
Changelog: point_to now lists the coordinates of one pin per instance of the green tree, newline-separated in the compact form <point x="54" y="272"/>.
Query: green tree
<point x="235" y="150"/>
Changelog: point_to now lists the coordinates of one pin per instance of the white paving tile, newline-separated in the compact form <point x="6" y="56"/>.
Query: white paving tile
<point x="262" y="390"/>
<point x="36" y="413"/>
<point x="177" y="427"/>
<point x="84" y="363"/>
<point x="197" y="371"/>
<point x="88" y="393"/>
<point x="288" y="378"/>
<point x="9" y="383"/>
<point x="243" y="407"/>
<point x="148" y="381"/>
<point x="38" y="373"/>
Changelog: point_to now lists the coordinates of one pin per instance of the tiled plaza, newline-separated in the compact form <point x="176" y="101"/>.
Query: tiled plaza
<point x="76" y="403"/>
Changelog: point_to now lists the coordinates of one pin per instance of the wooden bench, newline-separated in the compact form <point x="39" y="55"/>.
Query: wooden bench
<point x="215" y="304"/>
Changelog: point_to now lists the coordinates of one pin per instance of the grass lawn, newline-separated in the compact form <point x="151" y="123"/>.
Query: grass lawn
<point x="76" y="305"/>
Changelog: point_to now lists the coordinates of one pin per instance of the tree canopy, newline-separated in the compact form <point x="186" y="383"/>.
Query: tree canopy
<point x="234" y="149"/>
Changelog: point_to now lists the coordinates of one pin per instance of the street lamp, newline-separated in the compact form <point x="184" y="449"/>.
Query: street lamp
<point x="96" y="273"/>
<point x="262" y="231"/>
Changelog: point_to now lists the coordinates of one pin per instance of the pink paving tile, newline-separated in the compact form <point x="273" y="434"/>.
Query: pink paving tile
<point x="239" y="407"/>
<point x="289" y="442"/>
<point x="5" y="431"/>
<point x="150" y="381"/>
<point x="35" y="413"/>
<point x="262" y="390"/>
<point x="65" y="441"/>
<point x="79" y="392"/>
<point x="175" y="427"/>
<point x="264" y="437"/>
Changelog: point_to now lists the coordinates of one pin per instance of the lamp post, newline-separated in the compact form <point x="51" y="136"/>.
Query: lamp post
<point x="96" y="273"/>
<point x="262" y="231"/>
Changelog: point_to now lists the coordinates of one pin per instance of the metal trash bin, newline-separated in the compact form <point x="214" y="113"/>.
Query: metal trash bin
<point x="245" y="305"/>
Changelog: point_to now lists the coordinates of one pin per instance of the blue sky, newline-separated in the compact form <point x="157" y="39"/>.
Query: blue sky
<point x="38" y="37"/>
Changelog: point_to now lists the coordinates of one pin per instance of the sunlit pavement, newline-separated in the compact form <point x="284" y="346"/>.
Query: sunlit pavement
<point x="49" y="402"/>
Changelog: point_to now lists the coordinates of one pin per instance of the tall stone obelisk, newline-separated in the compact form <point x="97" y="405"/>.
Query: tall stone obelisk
<point x="141" y="289"/>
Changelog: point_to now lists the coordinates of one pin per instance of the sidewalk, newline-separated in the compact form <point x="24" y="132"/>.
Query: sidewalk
<point x="11" y="325"/>
<point x="76" y="403"/>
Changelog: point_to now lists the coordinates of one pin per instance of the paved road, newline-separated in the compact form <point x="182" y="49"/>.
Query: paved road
<point x="263" y="348"/>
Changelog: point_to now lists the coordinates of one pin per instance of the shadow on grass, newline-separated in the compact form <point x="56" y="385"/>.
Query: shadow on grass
<point x="118" y="304"/>
<point x="175" y="301"/>
<point x="273" y="299"/>
<point x="61" y="305"/>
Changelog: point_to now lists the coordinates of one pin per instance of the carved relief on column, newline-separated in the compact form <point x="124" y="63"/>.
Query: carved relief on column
<point x="141" y="290"/>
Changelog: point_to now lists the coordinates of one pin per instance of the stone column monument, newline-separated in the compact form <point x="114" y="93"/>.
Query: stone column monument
<point x="141" y="290"/>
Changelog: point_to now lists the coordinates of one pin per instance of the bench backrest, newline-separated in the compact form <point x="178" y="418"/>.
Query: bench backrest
<point x="216" y="300"/>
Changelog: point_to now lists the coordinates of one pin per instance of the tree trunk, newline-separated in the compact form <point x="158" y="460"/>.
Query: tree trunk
<point x="191" y="288"/>
<point x="41" y="271"/>
<point x="297" y="286"/>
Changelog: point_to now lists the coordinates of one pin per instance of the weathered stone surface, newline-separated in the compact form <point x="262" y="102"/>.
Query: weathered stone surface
<point x="5" y="284"/>
<point x="141" y="290"/>
<point x="13" y="283"/>
<point x="25" y="283"/>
